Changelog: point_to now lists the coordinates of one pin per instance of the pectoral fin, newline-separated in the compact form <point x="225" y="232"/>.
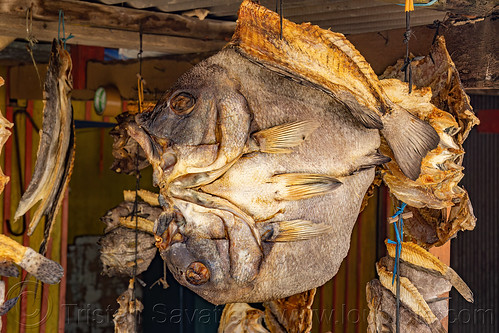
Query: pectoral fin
<point x="280" y="139"/>
<point x="297" y="186"/>
<point x="295" y="230"/>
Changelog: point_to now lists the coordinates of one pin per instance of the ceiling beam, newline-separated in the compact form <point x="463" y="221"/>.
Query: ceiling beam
<point x="112" y="38"/>
<point x="97" y="15"/>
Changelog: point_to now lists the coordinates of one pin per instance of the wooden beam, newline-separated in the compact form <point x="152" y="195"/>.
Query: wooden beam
<point x="105" y="37"/>
<point x="97" y="15"/>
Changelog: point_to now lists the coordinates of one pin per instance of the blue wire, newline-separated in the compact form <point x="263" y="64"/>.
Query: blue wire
<point x="399" y="234"/>
<point x="432" y="2"/>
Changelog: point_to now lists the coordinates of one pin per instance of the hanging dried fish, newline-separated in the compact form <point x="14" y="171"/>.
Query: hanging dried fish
<point x="440" y="207"/>
<point x="55" y="156"/>
<point x="130" y="307"/>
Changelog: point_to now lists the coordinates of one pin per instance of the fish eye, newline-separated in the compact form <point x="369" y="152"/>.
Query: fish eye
<point x="182" y="103"/>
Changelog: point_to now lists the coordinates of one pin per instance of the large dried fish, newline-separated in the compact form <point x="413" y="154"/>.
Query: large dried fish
<point x="4" y="135"/>
<point x="55" y="156"/>
<point x="261" y="177"/>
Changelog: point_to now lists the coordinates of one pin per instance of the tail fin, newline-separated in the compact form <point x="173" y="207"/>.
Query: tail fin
<point x="410" y="139"/>
<point x="459" y="284"/>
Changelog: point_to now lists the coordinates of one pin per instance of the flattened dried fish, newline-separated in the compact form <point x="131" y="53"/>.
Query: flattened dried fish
<point x="55" y="156"/>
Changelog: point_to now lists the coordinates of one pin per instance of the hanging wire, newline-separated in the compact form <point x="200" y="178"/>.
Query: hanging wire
<point x="30" y="38"/>
<point x="137" y="186"/>
<point x="407" y="69"/>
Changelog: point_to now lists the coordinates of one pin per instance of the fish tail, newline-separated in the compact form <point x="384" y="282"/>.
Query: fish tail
<point x="410" y="139"/>
<point x="459" y="284"/>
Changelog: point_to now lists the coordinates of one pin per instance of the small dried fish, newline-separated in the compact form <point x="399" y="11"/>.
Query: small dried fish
<point x="416" y="255"/>
<point x="241" y="318"/>
<point x="125" y="318"/>
<point x="42" y="268"/>
<point x="55" y="156"/>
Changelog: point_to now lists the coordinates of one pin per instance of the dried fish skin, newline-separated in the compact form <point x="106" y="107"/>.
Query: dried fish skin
<point x="328" y="61"/>
<point x="4" y="135"/>
<point x="55" y="156"/>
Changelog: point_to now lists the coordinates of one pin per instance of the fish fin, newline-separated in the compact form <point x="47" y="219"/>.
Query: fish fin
<point x="372" y="161"/>
<point x="459" y="284"/>
<point x="410" y="139"/>
<point x="366" y="116"/>
<point x="297" y="186"/>
<point x="279" y="139"/>
<point x="298" y="230"/>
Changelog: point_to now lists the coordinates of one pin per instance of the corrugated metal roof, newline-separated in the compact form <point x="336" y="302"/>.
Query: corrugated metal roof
<point x="345" y="16"/>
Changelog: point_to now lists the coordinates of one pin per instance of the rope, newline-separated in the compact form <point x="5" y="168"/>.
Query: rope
<point x="61" y="22"/>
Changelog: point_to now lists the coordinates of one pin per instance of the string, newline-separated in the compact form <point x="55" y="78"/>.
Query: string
<point x="432" y="2"/>
<point x="31" y="40"/>
<point x="61" y="22"/>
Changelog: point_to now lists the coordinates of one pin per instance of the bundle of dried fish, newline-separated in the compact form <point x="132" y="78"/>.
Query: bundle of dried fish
<point x="125" y="319"/>
<point x="55" y="156"/>
<point x="422" y="279"/>
<point x="126" y="151"/>
<point x="118" y="248"/>
<point x="262" y="177"/>
<point x="440" y="207"/>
